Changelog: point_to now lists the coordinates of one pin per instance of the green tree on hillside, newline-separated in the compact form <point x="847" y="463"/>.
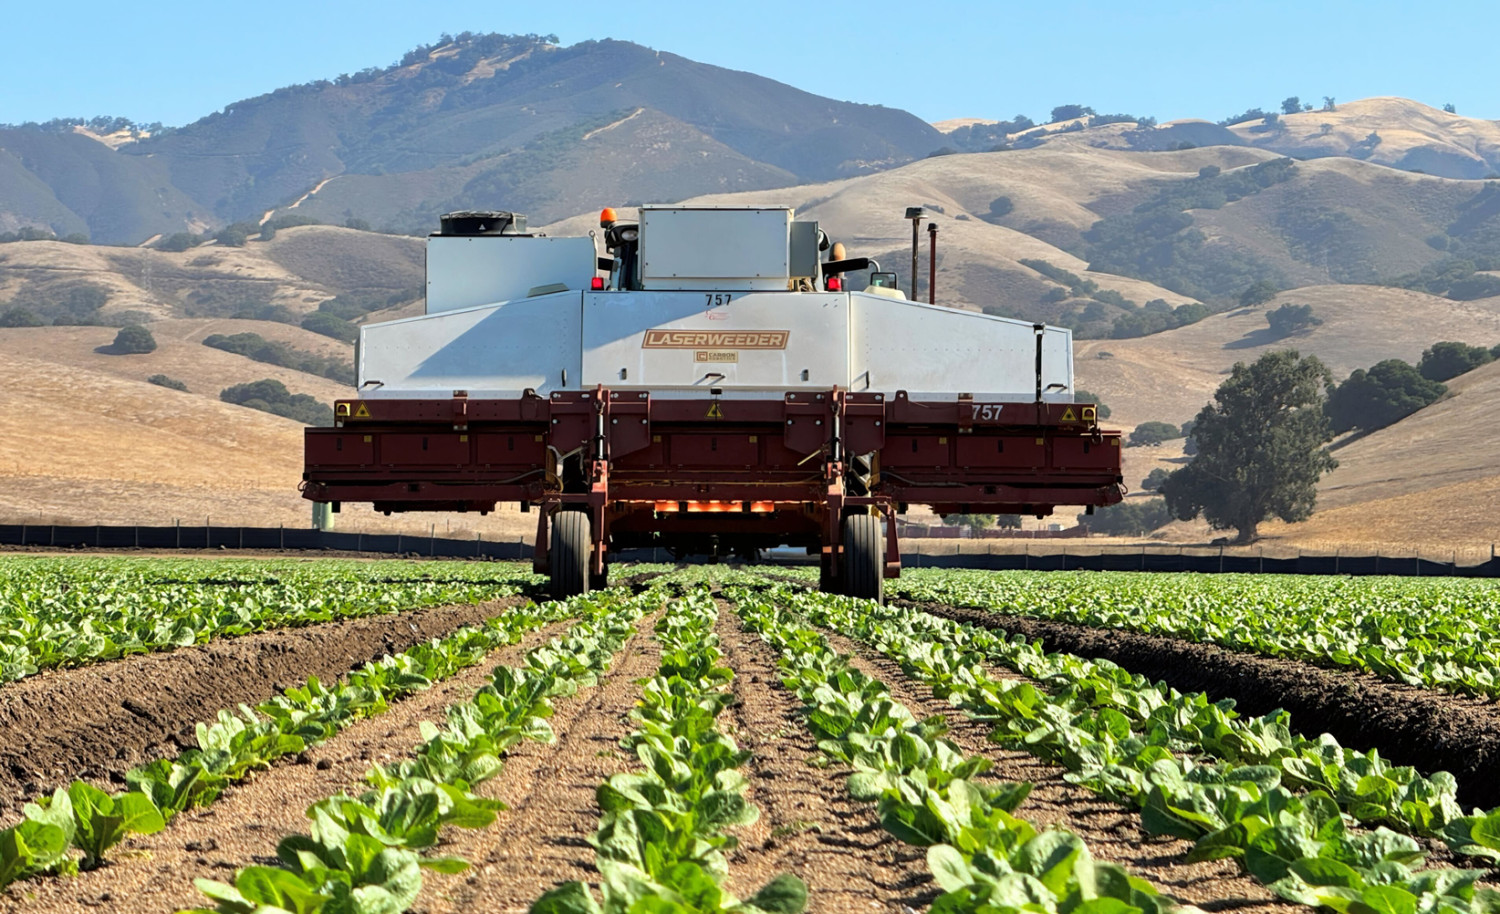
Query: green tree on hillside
<point x="1447" y="360"/>
<point x="134" y="340"/>
<point x="1291" y="105"/>
<point x="1289" y="319"/>
<point x="1070" y="112"/>
<point x="1258" y="293"/>
<point x="1153" y="433"/>
<point x="1260" y="447"/>
<point x="1388" y="392"/>
<point x="16" y="316"/>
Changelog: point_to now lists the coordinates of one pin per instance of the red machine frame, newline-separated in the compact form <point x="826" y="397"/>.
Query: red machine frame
<point x="708" y="474"/>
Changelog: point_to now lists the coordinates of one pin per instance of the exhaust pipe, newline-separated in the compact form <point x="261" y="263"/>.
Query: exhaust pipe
<point x="932" y="263"/>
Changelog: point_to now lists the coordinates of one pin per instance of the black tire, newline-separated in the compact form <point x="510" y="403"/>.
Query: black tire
<point x="864" y="559"/>
<point x="568" y="554"/>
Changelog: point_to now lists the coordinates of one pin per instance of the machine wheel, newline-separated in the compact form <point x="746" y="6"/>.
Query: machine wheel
<point x="568" y="554"/>
<point x="864" y="559"/>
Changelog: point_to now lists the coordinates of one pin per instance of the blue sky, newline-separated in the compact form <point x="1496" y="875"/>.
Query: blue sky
<point x="170" y="61"/>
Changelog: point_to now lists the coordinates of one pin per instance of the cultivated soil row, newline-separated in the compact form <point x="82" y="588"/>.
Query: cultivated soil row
<point x="97" y="722"/>
<point x="1427" y="729"/>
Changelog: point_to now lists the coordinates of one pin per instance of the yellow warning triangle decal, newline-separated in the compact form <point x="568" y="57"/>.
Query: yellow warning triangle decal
<point x="1068" y="416"/>
<point x="714" y="412"/>
<point x="363" y="412"/>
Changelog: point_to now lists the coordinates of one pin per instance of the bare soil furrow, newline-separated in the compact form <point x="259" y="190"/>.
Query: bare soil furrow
<point x="809" y="826"/>
<point x="155" y="873"/>
<point x="1427" y="729"/>
<point x="542" y="840"/>
<point x="1112" y="832"/>
<point x="97" y="722"/>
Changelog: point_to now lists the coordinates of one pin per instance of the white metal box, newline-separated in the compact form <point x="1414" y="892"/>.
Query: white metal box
<point x="499" y="350"/>
<point x="465" y="271"/>
<point x="927" y="349"/>
<point x="715" y="247"/>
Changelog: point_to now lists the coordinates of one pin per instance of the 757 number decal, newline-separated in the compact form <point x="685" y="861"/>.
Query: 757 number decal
<point x="986" y="412"/>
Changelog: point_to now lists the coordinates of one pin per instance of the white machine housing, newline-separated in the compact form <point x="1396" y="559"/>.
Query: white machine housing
<point x="714" y="312"/>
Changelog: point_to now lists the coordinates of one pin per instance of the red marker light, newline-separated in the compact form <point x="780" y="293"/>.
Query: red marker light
<point x="607" y="217"/>
<point x="835" y="284"/>
<point x="597" y="284"/>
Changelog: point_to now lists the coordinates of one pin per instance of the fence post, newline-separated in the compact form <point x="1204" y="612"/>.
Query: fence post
<point x="1027" y="565"/>
<point x="179" y="531"/>
<point x="242" y="537"/>
<point x="398" y="544"/>
<point x="1336" y="552"/>
<point x="477" y="538"/>
<point x="97" y="528"/>
<point x="359" y="542"/>
<point x="52" y="536"/>
<point x="137" y="537"/>
<point x="1263" y="560"/>
<point x="281" y="535"/>
<point x="432" y="541"/>
<point x="1221" y="558"/>
<point x="23" y="541"/>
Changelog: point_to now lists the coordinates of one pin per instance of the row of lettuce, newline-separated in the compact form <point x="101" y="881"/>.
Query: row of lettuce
<point x="78" y="825"/>
<point x="1423" y="632"/>
<point x="984" y="858"/>
<point x="1317" y="823"/>
<point x="58" y="613"/>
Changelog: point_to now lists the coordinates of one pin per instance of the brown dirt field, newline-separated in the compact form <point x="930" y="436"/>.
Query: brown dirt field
<point x="1430" y="730"/>
<point x="809" y="826"/>
<point x="99" y="721"/>
<point x="153" y="873"/>
<point x="542" y="840"/>
<point x="1112" y="832"/>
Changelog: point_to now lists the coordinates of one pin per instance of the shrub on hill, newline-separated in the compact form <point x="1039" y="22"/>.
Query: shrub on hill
<point x="161" y="380"/>
<point x="64" y="304"/>
<point x="358" y="303"/>
<point x="254" y="346"/>
<point x="178" y="242"/>
<point x="1447" y="360"/>
<point x="16" y="316"/>
<point x="1151" y="434"/>
<point x="271" y="396"/>
<point x="1155" y="316"/>
<point x="1388" y="392"/>
<point x="1132" y="517"/>
<point x="1258" y="293"/>
<point x="1290" y="319"/>
<point x="1154" y="480"/>
<point x="1070" y="112"/>
<point x="134" y="340"/>
<point x="331" y="326"/>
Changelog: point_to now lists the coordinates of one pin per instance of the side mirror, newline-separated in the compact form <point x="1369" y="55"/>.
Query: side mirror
<point x="883" y="280"/>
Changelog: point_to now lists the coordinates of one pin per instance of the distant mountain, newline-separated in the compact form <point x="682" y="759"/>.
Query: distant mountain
<point x="492" y="120"/>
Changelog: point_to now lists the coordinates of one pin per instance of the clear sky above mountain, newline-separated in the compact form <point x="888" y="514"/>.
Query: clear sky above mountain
<point x="174" y="62"/>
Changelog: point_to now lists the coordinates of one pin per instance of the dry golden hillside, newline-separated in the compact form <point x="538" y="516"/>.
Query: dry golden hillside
<point x="1169" y="376"/>
<point x="1387" y="131"/>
